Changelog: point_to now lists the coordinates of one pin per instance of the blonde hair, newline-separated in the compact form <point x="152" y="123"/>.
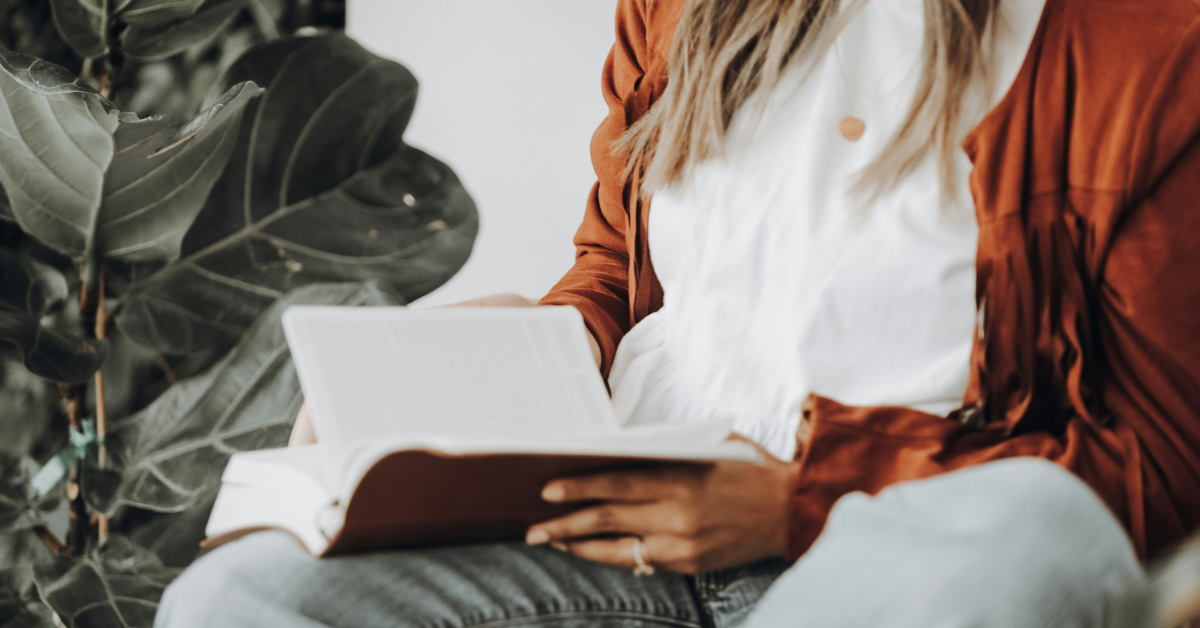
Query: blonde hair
<point x="727" y="51"/>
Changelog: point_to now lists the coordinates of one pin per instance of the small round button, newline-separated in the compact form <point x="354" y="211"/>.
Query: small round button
<point x="852" y="128"/>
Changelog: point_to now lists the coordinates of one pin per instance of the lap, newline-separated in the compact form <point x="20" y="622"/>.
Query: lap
<point x="1015" y="543"/>
<point x="266" y="580"/>
<point x="1019" y="543"/>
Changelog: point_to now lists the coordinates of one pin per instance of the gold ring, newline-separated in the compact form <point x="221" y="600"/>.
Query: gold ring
<point x="642" y="567"/>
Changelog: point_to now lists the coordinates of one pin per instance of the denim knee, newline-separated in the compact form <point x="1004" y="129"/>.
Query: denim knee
<point x="240" y="584"/>
<point x="1008" y="544"/>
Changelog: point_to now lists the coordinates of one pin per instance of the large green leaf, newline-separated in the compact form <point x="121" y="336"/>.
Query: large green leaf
<point x="149" y="13"/>
<point x="91" y="182"/>
<point x="29" y="286"/>
<point x="321" y="188"/>
<point x="20" y="507"/>
<point x="117" y="584"/>
<point x="49" y="354"/>
<point x="56" y="141"/>
<point x="156" y="28"/>
<point x="174" y="537"/>
<point x="28" y="291"/>
<point x="81" y="27"/>
<point x="5" y="209"/>
<point x="19" y="603"/>
<point x="173" y="452"/>
<point x="154" y="44"/>
<point x="29" y="404"/>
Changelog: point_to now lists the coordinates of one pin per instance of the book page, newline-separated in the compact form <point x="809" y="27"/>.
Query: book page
<point x="274" y="488"/>
<point x="505" y="373"/>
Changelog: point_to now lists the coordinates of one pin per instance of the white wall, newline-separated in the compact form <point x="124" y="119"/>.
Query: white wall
<point x="510" y="95"/>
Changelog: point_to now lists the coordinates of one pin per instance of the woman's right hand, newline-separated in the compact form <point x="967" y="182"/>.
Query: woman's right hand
<point x="302" y="431"/>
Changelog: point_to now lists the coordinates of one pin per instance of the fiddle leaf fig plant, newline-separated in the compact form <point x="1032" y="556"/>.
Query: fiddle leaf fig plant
<point x="149" y="29"/>
<point x="19" y="603"/>
<point x="29" y="290"/>
<point x="20" y="507"/>
<point x="321" y="188"/>
<point x="94" y="183"/>
<point x="82" y="27"/>
<point x="128" y="236"/>
<point x="114" y="584"/>
<point x="157" y="42"/>
<point x="172" y="453"/>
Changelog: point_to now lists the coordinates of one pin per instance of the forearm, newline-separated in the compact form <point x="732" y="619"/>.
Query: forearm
<point x="867" y="449"/>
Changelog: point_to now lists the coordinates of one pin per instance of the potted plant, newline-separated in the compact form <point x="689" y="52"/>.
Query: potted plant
<point x="141" y="242"/>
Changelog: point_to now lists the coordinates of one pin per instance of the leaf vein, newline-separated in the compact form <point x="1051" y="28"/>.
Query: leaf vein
<point x="311" y="123"/>
<point x="235" y="283"/>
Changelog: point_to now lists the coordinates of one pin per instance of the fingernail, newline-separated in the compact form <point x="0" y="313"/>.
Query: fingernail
<point x="536" y="537"/>
<point x="553" y="493"/>
<point x="560" y="546"/>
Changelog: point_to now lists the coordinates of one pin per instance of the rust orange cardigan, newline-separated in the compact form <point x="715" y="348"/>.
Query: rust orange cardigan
<point x="1087" y="191"/>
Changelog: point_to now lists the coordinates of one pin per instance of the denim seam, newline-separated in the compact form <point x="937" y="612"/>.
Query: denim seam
<point x="700" y="596"/>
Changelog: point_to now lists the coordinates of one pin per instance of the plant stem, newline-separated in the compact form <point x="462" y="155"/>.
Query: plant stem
<point x="100" y="331"/>
<point x="94" y="322"/>
<point x="91" y="303"/>
<point x="80" y="522"/>
<point x="110" y="70"/>
<point x="166" y="368"/>
<point x="48" y="539"/>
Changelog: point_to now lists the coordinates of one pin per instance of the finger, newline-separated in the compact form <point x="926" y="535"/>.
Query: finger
<point x="660" y="552"/>
<point x="617" y="552"/>
<point x="627" y="486"/>
<point x="603" y="519"/>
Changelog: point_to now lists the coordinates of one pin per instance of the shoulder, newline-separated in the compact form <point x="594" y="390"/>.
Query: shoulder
<point x="662" y="18"/>
<point x="649" y="26"/>
<point x="1111" y="38"/>
<point x="1123" y="75"/>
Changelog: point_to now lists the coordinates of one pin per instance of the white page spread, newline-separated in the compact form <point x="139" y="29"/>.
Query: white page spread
<point x="375" y="374"/>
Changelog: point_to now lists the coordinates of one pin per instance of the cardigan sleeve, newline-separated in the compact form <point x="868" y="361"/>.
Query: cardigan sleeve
<point x="598" y="283"/>
<point x="1141" y="457"/>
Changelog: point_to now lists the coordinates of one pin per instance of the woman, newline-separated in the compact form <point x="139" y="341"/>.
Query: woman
<point x="818" y="233"/>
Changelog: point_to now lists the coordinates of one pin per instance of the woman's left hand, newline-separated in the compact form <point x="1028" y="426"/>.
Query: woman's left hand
<point x="692" y="518"/>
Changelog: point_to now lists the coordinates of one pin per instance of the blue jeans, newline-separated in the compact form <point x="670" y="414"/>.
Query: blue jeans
<point x="1012" y="544"/>
<point x="266" y="580"/>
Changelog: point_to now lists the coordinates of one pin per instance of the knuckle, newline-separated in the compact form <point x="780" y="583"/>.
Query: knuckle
<point x="679" y="552"/>
<point x="619" y="484"/>
<point x="605" y="519"/>
<point x="689" y="485"/>
<point x="689" y="550"/>
<point x="684" y="523"/>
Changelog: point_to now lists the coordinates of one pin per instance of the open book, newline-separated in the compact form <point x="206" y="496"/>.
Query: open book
<point x="440" y="426"/>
